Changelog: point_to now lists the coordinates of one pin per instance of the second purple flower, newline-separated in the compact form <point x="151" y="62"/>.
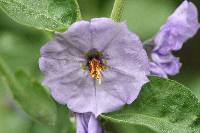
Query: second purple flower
<point x="180" y="26"/>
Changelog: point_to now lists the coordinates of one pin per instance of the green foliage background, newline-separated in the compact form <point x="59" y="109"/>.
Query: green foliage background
<point x="19" y="47"/>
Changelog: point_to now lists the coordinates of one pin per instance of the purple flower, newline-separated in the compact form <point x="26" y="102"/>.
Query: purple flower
<point x="87" y="123"/>
<point x="95" y="66"/>
<point x="163" y="65"/>
<point x="180" y="26"/>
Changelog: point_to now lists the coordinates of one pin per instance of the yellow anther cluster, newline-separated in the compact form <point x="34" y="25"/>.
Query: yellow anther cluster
<point x="95" y="68"/>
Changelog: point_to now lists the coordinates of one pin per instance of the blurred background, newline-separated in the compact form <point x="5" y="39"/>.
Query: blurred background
<point x="19" y="47"/>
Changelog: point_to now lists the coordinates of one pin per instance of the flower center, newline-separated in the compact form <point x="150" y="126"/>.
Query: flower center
<point x="95" y="68"/>
<point x="96" y="63"/>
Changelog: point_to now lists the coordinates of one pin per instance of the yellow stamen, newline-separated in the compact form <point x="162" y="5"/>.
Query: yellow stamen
<point x="95" y="68"/>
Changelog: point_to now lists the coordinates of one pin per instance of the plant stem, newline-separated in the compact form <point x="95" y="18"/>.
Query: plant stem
<point x="117" y="10"/>
<point x="79" y="17"/>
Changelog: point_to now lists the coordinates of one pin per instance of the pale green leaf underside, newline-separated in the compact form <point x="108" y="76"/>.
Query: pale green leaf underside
<point x="51" y="15"/>
<point x="163" y="106"/>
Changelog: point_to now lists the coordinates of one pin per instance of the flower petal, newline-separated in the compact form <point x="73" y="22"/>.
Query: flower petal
<point x="59" y="49"/>
<point x="76" y="90"/>
<point x="117" y="89"/>
<point x="55" y="68"/>
<point x="105" y="31"/>
<point x="159" y="58"/>
<point x="78" y="35"/>
<point x="157" y="70"/>
<point x="164" y="65"/>
<point x="173" y="67"/>
<point x="127" y="54"/>
<point x="82" y="121"/>
<point x="181" y="25"/>
<point x="87" y="123"/>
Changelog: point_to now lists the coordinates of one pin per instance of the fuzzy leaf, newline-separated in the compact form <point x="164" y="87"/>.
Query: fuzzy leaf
<point x="31" y="96"/>
<point x="51" y="15"/>
<point x="163" y="106"/>
<point x="34" y="99"/>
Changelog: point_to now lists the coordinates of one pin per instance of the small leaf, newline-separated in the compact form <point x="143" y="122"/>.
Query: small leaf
<point x="163" y="106"/>
<point x="51" y="15"/>
<point x="31" y="96"/>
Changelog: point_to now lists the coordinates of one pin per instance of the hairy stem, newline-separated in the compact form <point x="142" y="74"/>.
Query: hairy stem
<point x="79" y="17"/>
<point x="117" y="10"/>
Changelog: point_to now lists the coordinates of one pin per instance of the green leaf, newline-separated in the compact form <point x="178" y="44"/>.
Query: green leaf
<point x="190" y="77"/>
<point x="163" y="106"/>
<point x="51" y="15"/>
<point x="35" y="100"/>
<point x="31" y="96"/>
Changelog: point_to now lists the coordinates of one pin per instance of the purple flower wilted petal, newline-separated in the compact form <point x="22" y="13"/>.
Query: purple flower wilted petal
<point x="95" y="66"/>
<point x="87" y="123"/>
<point x="164" y="65"/>
<point x="180" y="26"/>
<point x="157" y="70"/>
<point x="172" y="67"/>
